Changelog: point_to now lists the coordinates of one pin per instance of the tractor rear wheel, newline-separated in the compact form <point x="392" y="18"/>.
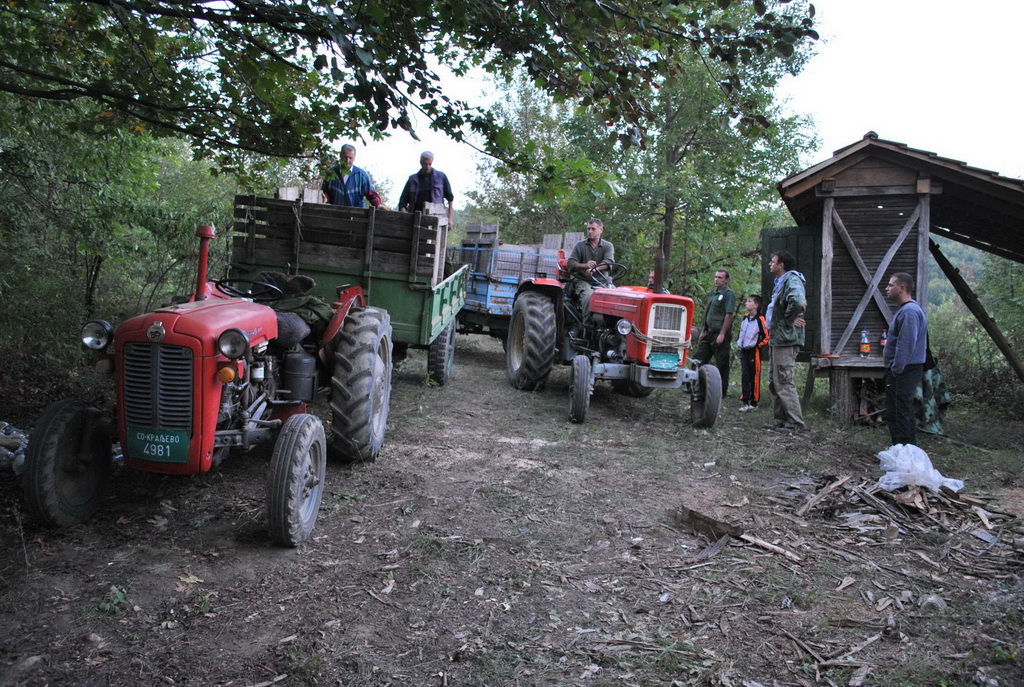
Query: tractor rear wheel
<point x="530" y="353"/>
<point x="361" y="385"/>
<point x="580" y="387"/>
<point x="298" y="468"/>
<point x="706" y="398"/>
<point x="441" y="356"/>
<point x="67" y="463"/>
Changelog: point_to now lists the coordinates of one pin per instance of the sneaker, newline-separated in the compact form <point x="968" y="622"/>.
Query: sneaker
<point x="744" y="408"/>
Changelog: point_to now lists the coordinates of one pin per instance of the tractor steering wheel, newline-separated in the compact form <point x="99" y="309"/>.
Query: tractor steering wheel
<point x="615" y="271"/>
<point x="256" y="291"/>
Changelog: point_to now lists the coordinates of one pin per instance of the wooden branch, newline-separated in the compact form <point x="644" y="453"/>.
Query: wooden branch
<point x="756" y="541"/>
<point x="813" y="501"/>
<point x="803" y="645"/>
<point x="857" y="649"/>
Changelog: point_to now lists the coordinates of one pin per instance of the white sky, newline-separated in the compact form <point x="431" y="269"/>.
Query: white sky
<point x="938" y="75"/>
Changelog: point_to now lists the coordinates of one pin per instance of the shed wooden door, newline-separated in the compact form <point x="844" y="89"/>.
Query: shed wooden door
<point x="865" y="239"/>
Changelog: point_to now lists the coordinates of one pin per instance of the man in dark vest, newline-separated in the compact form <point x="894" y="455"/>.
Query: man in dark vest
<point x="715" y="335"/>
<point x="428" y="185"/>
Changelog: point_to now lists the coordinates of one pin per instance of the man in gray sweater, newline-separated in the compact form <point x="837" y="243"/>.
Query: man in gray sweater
<point x="903" y="356"/>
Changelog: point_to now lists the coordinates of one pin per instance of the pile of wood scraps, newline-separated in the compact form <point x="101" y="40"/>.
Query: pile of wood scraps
<point x="975" y="534"/>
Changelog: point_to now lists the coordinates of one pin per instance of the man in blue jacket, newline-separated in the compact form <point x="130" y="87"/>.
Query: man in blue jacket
<point x="347" y="184"/>
<point x="903" y="356"/>
<point x="428" y="185"/>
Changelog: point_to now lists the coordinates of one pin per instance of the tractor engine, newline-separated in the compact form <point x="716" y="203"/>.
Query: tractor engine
<point x="183" y="373"/>
<point x="612" y="346"/>
<point x="640" y="323"/>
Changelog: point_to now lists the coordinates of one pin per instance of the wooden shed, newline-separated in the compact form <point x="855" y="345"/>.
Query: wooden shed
<point x="871" y="210"/>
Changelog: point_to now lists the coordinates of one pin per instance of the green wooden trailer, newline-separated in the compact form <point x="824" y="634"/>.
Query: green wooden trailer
<point x="398" y="258"/>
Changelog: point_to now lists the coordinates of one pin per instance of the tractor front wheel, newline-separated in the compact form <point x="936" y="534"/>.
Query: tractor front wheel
<point x="581" y="385"/>
<point x="67" y="463"/>
<point x="706" y="397"/>
<point x="298" y="468"/>
<point x="530" y="351"/>
<point x="441" y="356"/>
<point x="361" y="385"/>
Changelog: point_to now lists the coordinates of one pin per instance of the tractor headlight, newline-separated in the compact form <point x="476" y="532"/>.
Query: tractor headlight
<point x="623" y="327"/>
<point x="233" y="343"/>
<point x="97" y="335"/>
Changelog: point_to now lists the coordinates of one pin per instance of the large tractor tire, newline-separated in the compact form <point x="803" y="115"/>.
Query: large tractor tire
<point x="530" y="354"/>
<point x="298" y="468"/>
<point x="628" y="387"/>
<point x="67" y="463"/>
<point x="581" y="385"/>
<point x="441" y="356"/>
<point x="361" y="385"/>
<point x="706" y="399"/>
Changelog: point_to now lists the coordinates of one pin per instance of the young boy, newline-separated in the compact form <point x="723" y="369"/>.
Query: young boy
<point x="753" y="335"/>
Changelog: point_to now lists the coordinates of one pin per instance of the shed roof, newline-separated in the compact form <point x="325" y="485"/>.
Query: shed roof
<point x="976" y="206"/>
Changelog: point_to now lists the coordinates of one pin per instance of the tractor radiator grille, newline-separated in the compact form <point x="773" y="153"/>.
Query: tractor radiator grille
<point x="667" y="327"/>
<point x="157" y="386"/>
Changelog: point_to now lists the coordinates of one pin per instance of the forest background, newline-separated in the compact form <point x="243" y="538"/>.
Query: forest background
<point x="123" y="128"/>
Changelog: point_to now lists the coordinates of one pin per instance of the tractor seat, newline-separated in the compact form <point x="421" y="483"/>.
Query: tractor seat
<point x="563" y="269"/>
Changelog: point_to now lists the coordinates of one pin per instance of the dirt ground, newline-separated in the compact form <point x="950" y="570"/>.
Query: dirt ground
<point x="494" y="543"/>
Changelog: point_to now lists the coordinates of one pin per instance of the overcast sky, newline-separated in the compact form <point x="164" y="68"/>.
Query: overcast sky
<point x="938" y="75"/>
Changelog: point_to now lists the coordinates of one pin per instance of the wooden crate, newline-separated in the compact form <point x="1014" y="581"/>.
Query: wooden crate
<point x="571" y="239"/>
<point x="481" y="235"/>
<point x="309" y="194"/>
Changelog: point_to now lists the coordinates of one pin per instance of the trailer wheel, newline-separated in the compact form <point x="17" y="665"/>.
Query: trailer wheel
<point x="361" y="385"/>
<point x="530" y="354"/>
<point x="298" y="468"/>
<point x="628" y="387"/>
<point x="441" y="356"/>
<point x="580" y="387"/>
<point x="706" y="397"/>
<point x="67" y="463"/>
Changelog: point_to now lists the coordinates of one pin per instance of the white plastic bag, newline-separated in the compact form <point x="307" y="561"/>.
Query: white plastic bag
<point x="907" y="465"/>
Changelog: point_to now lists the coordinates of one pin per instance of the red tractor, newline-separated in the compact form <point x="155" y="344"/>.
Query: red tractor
<point x="634" y="338"/>
<point x="215" y="375"/>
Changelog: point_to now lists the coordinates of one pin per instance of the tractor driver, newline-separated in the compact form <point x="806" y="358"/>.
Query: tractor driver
<point x="589" y="257"/>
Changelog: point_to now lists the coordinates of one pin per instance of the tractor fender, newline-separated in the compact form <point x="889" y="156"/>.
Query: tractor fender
<point x="552" y="289"/>
<point x="347" y="297"/>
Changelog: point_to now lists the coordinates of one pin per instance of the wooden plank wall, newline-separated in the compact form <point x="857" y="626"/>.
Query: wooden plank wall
<point x="312" y="235"/>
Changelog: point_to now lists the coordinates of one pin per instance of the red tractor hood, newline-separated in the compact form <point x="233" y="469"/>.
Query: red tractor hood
<point x="632" y="302"/>
<point x="203" y="321"/>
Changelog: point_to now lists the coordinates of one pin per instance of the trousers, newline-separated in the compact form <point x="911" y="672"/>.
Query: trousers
<point x="900" y="390"/>
<point x="710" y="352"/>
<point x="785" y="400"/>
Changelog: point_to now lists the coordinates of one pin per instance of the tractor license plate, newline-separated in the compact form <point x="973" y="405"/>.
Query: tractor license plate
<point x="159" y="445"/>
<point x="664" y="361"/>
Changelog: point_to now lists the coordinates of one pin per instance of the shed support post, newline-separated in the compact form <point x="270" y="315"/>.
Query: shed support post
<point x="825" y="340"/>
<point x="841" y="387"/>
<point x="924" y="227"/>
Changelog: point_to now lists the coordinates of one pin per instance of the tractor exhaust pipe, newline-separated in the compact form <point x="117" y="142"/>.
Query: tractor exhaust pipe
<point x="205" y="233"/>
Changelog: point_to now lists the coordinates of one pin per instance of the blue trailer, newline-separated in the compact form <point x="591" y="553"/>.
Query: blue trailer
<point x="494" y="278"/>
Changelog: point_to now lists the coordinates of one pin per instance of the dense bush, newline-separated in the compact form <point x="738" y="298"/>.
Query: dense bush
<point x="970" y="362"/>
